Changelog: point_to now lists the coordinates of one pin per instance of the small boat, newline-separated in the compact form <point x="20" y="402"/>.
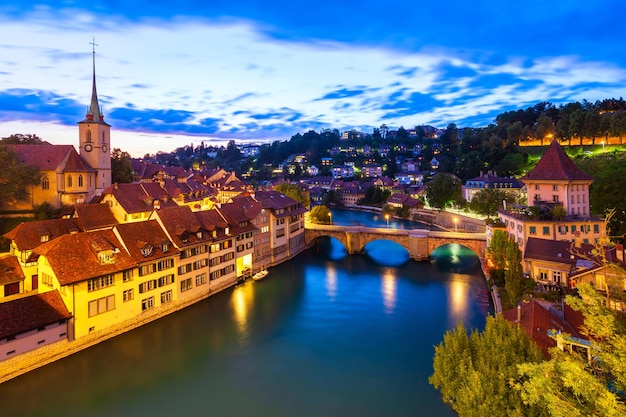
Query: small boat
<point x="259" y="275"/>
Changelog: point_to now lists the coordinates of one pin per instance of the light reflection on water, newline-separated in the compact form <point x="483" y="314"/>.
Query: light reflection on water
<point x="326" y="334"/>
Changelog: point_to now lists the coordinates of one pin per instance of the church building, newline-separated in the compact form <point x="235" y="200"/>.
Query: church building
<point x="69" y="177"/>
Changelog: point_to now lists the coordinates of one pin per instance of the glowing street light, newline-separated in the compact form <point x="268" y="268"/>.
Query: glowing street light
<point x="602" y="146"/>
<point x="330" y="218"/>
<point x="456" y="220"/>
<point x="387" y="218"/>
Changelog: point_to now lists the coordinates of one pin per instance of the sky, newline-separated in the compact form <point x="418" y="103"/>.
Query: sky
<point x="170" y="74"/>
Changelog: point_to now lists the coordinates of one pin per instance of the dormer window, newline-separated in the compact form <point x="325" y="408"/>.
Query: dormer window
<point x="147" y="250"/>
<point x="199" y="234"/>
<point x="44" y="238"/>
<point x="165" y="246"/>
<point x="105" y="257"/>
<point x="227" y="231"/>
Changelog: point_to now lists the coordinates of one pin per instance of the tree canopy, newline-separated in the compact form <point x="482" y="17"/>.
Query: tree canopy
<point x="293" y="191"/>
<point x="473" y="372"/>
<point x="442" y="190"/>
<point x="15" y="176"/>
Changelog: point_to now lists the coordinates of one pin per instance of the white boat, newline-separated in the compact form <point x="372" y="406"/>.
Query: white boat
<point x="259" y="275"/>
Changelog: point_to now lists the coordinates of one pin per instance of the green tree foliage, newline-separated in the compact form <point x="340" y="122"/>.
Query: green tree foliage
<point x="514" y="273"/>
<point x="293" y="191"/>
<point x="487" y="201"/>
<point x="15" y="176"/>
<point x="443" y="190"/>
<point x="21" y="139"/>
<point x="321" y="214"/>
<point x="473" y="371"/>
<point x="121" y="168"/>
<point x="571" y="385"/>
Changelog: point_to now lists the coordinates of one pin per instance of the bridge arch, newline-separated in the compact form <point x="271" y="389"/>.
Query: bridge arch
<point x="420" y="243"/>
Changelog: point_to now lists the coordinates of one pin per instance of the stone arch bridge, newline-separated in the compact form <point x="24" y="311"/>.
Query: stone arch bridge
<point x="419" y="243"/>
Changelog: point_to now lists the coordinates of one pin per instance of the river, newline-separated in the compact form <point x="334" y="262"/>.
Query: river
<point x="326" y="334"/>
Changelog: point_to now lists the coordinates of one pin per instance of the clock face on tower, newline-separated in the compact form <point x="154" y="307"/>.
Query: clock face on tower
<point x="88" y="147"/>
<point x="104" y="148"/>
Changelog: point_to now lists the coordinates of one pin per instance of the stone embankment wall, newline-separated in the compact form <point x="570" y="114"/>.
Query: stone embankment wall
<point x="26" y="362"/>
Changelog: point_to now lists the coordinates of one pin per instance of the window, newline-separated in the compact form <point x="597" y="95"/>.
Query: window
<point x="147" y="250"/>
<point x="69" y="181"/>
<point x="100" y="282"/>
<point x="265" y="229"/>
<point x="166" y="297"/>
<point x="555" y="187"/>
<point x="200" y="279"/>
<point x="556" y="277"/>
<point x="101" y="305"/>
<point x="46" y="279"/>
<point x="185" y="285"/>
<point x="596" y="228"/>
<point x="573" y="228"/>
<point x="555" y="198"/>
<point x="533" y="230"/>
<point x="183" y="269"/>
<point x="44" y="238"/>
<point x="127" y="295"/>
<point x="543" y="275"/>
<point x="280" y="232"/>
<point x="45" y="183"/>
<point x="165" y="264"/>
<point x="80" y="180"/>
<point x="146" y="269"/>
<point x="166" y="280"/>
<point x="127" y="275"/>
<point x="89" y="136"/>
<point x="147" y="286"/>
<point x="147" y="303"/>
<point x="536" y="186"/>
<point x="546" y="230"/>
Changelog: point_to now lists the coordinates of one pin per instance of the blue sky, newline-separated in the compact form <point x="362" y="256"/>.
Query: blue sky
<point x="211" y="71"/>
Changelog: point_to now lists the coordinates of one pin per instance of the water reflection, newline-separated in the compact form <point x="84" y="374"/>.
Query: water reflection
<point x="389" y="289"/>
<point x="458" y="298"/>
<point x="331" y="281"/>
<point x="242" y="303"/>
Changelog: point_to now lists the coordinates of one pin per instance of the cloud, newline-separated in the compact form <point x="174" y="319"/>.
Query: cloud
<point x="344" y="92"/>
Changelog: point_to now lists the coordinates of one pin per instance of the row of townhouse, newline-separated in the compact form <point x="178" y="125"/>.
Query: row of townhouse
<point x="95" y="274"/>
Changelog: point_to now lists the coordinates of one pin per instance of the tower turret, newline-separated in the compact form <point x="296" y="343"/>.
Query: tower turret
<point x="95" y="136"/>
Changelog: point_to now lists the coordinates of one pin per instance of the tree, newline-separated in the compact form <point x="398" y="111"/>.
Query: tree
<point x="496" y="251"/>
<point x="15" y="176"/>
<point x="570" y="384"/>
<point x="293" y="191"/>
<point x="21" y="139"/>
<point x="442" y="190"/>
<point x="472" y="372"/>
<point x="514" y="273"/>
<point x="487" y="201"/>
<point x="121" y="168"/>
<point x="321" y="214"/>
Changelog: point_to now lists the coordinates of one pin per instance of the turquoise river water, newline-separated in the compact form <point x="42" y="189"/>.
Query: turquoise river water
<point x="326" y="334"/>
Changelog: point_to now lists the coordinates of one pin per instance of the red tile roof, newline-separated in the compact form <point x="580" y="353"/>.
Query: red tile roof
<point x="94" y="216"/>
<point x="556" y="165"/>
<point x="137" y="235"/>
<point x="28" y="235"/>
<point x="74" y="258"/>
<point x="10" y="270"/>
<point x="182" y="226"/>
<point x="29" y="313"/>
<point x="44" y="157"/>
<point x="536" y="320"/>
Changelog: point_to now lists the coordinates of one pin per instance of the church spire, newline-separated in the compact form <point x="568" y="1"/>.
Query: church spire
<point x="94" y="114"/>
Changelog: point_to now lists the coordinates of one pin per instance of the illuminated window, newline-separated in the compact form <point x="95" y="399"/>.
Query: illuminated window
<point x="80" y="180"/>
<point x="45" y="184"/>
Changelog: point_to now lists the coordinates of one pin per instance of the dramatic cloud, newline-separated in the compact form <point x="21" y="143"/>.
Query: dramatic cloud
<point x="264" y="71"/>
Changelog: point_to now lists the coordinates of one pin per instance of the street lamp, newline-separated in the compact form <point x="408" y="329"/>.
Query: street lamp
<point x="602" y="146"/>
<point x="456" y="220"/>
<point x="387" y="218"/>
<point x="330" y="218"/>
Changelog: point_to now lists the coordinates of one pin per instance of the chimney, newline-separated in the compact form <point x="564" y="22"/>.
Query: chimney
<point x="115" y="186"/>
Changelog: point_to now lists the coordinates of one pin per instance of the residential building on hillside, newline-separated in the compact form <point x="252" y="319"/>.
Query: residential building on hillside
<point x="555" y="182"/>
<point x="489" y="180"/>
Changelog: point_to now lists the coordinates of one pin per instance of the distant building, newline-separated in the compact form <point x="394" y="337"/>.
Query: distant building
<point x="490" y="180"/>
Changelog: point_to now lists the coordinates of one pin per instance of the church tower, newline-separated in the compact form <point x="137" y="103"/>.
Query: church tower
<point x="95" y="138"/>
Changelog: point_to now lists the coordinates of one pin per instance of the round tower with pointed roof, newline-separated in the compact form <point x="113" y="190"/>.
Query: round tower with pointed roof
<point x="95" y="137"/>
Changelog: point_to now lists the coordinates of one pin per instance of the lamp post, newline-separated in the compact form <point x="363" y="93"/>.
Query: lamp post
<point x="387" y="218"/>
<point x="330" y="218"/>
<point x="456" y="220"/>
